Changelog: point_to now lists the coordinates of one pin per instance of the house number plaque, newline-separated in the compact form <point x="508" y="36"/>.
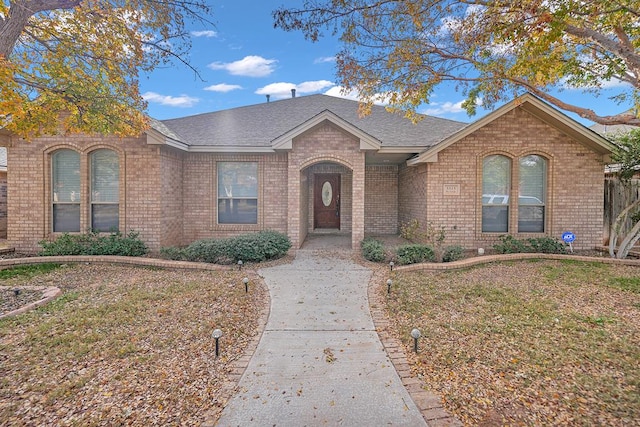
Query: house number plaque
<point x="451" y="189"/>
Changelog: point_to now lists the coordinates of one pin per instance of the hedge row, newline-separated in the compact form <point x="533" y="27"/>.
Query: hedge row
<point x="255" y="247"/>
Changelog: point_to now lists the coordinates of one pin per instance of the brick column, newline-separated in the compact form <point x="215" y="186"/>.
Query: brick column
<point x="293" y="204"/>
<point x="357" y="219"/>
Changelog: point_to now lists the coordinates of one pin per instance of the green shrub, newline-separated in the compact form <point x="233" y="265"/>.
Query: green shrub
<point x="94" y="243"/>
<point x="453" y="253"/>
<point x="214" y="251"/>
<point x="171" y="252"/>
<point x="256" y="247"/>
<point x="510" y="245"/>
<point x="412" y="254"/>
<point x="372" y="249"/>
<point x="547" y="245"/>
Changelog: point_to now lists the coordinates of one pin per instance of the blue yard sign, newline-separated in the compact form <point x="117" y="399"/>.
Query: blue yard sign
<point x="568" y="237"/>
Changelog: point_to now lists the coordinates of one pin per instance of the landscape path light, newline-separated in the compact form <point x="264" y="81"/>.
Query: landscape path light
<point x="391" y="264"/>
<point x="389" y="283"/>
<point x="217" y="334"/>
<point x="415" y="333"/>
<point x="246" y="284"/>
<point x="240" y="264"/>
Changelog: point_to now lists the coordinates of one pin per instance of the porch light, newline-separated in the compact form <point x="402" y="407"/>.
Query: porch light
<point x="217" y="334"/>
<point x="389" y="283"/>
<point x="246" y="284"/>
<point x="415" y="334"/>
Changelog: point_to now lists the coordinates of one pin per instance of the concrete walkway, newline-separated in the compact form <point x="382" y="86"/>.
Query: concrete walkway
<point x="320" y="361"/>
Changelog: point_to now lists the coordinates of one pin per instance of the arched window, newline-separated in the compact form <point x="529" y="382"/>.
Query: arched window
<point x="496" y="186"/>
<point x="532" y="194"/>
<point x="105" y="190"/>
<point x="65" y="197"/>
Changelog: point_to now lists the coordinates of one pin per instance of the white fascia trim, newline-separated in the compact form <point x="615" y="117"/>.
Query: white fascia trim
<point x="230" y="149"/>
<point x="156" y="138"/>
<point x="401" y="150"/>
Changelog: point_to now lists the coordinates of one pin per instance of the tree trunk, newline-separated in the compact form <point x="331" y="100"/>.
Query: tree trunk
<point x="629" y="238"/>
<point x="12" y="25"/>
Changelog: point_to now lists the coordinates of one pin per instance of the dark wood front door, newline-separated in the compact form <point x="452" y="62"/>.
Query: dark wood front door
<point x="326" y="201"/>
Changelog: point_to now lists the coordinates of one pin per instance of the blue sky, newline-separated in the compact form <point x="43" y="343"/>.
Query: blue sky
<point x="244" y="58"/>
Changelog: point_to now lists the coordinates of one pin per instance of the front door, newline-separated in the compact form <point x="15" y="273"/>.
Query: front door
<point x="326" y="201"/>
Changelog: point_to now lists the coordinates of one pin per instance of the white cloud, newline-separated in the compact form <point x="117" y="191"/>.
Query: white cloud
<point x="249" y="66"/>
<point x="204" y="33"/>
<point x="324" y="59"/>
<point x="182" y="101"/>
<point x="282" y="90"/>
<point x="612" y="83"/>
<point x="222" y="87"/>
<point x="440" y="108"/>
<point x="354" y="95"/>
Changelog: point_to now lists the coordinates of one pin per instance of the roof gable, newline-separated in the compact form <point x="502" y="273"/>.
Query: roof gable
<point x="537" y="108"/>
<point x="261" y="127"/>
<point x="285" y="142"/>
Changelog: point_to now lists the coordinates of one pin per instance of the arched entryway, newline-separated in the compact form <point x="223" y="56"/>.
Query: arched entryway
<point x="326" y="200"/>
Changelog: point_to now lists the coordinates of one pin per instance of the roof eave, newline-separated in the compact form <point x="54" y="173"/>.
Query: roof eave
<point x="534" y="106"/>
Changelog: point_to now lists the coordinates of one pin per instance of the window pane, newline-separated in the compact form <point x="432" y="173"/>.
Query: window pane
<point x="65" y="173"/>
<point x="66" y="217"/>
<point x="533" y="175"/>
<point x="496" y="183"/>
<point x="495" y="219"/>
<point x="238" y="211"/>
<point x="531" y="219"/>
<point x="533" y="190"/>
<point x="105" y="176"/>
<point x="237" y="192"/>
<point x="105" y="217"/>
<point x="237" y="179"/>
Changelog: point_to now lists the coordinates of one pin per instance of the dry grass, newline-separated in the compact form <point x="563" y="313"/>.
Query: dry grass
<point x="124" y="345"/>
<point x="526" y="343"/>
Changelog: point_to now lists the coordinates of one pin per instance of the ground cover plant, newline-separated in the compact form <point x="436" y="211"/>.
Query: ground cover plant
<point x="94" y="243"/>
<point x="254" y="247"/>
<point x="526" y="343"/>
<point x="124" y="346"/>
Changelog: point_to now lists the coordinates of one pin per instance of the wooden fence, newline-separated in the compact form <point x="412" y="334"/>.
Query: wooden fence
<point x="617" y="196"/>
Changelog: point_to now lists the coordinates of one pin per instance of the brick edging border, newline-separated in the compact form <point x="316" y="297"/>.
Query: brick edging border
<point x="485" y="259"/>
<point x="237" y="367"/>
<point x="428" y="403"/>
<point x="47" y="295"/>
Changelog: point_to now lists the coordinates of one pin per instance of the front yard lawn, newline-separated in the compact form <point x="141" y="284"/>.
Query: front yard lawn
<point x="526" y="343"/>
<point x="124" y="346"/>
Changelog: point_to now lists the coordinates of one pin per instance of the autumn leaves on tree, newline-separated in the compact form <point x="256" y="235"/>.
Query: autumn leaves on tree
<point x="492" y="50"/>
<point x="81" y="60"/>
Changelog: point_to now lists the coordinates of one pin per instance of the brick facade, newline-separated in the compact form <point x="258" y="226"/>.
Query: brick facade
<point x="170" y="196"/>
<point x="381" y="200"/>
<point x="574" y="183"/>
<point x="3" y="205"/>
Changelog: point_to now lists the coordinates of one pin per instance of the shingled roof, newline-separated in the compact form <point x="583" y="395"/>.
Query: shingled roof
<point x="259" y="125"/>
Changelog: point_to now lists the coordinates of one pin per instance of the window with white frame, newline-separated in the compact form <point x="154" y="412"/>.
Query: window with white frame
<point x="65" y="197"/>
<point x="497" y="172"/>
<point x="532" y="194"/>
<point x="496" y="185"/>
<point x="237" y="192"/>
<point x="105" y="190"/>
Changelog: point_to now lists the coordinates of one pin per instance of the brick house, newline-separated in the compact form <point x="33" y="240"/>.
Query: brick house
<point x="309" y="164"/>
<point x="3" y="193"/>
